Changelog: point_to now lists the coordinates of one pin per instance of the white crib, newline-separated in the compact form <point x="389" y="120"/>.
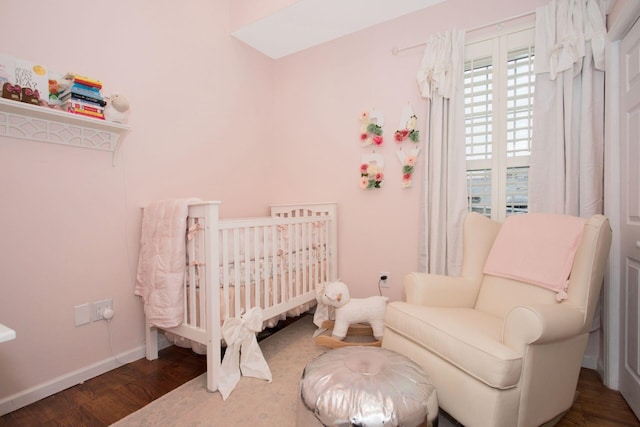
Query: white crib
<point x="273" y="262"/>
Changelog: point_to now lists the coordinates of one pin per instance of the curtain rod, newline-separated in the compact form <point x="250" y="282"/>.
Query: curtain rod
<point x="396" y="50"/>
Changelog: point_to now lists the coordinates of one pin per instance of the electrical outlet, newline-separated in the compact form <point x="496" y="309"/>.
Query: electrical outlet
<point x="99" y="307"/>
<point x="384" y="279"/>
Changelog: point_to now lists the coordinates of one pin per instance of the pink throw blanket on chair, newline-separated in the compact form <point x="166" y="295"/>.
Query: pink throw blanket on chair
<point x="538" y="249"/>
<point x="161" y="264"/>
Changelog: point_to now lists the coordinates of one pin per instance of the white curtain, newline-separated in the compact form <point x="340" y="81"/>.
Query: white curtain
<point x="444" y="197"/>
<point x="567" y="157"/>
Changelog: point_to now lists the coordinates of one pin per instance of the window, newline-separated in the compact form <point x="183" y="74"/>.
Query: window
<point x="499" y="86"/>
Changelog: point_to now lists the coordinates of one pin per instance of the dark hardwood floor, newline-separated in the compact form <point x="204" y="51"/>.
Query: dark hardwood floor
<point x="107" y="398"/>
<point x="598" y="405"/>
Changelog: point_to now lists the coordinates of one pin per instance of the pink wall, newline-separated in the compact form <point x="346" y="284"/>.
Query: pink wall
<point x="70" y="222"/>
<point x="319" y="96"/>
<point x="211" y="118"/>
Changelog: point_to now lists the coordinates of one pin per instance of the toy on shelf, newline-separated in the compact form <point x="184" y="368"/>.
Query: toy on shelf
<point x="12" y="92"/>
<point x="117" y="109"/>
<point x="30" y="96"/>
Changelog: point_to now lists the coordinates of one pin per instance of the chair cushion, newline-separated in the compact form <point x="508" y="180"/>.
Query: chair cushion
<point x="466" y="338"/>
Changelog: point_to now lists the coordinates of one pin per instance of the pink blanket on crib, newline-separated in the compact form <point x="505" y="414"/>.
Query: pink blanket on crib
<point x="161" y="264"/>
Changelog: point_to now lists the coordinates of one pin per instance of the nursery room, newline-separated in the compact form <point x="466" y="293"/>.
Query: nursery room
<point x="298" y="144"/>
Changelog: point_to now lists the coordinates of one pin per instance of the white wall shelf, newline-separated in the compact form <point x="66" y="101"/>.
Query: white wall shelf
<point x="25" y="121"/>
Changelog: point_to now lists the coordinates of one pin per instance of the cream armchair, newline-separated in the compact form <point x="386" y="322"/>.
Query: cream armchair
<point x="500" y="352"/>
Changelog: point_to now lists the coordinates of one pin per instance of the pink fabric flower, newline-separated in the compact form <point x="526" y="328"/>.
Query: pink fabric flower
<point x="363" y="168"/>
<point x="378" y="140"/>
<point x="364" y="182"/>
<point x="401" y="135"/>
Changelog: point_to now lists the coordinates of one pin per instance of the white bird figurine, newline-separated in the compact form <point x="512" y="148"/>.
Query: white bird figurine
<point x="117" y="109"/>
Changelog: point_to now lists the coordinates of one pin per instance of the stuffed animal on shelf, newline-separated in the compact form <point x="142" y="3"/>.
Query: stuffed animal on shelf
<point x="117" y="109"/>
<point x="13" y="92"/>
<point x="351" y="311"/>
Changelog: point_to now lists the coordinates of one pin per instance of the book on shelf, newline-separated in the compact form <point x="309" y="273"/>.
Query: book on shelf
<point x="84" y="80"/>
<point x="82" y="91"/>
<point x="26" y="75"/>
<point x="88" y="89"/>
<point x="33" y="76"/>
<point x="86" y="113"/>
<point x="71" y="94"/>
<point x="79" y="105"/>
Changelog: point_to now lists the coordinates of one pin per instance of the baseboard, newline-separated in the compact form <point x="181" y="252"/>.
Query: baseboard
<point x="33" y="394"/>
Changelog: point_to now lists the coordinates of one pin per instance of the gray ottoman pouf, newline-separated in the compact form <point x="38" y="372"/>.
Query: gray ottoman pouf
<point x="365" y="386"/>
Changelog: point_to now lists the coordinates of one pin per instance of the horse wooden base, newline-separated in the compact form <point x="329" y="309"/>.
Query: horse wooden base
<point x="357" y="329"/>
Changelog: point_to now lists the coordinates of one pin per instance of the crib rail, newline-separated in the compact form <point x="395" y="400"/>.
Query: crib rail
<point x="275" y="262"/>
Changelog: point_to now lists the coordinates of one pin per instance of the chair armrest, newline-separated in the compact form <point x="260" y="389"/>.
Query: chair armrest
<point x="538" y="324"/>
<point x="440" y="291"/>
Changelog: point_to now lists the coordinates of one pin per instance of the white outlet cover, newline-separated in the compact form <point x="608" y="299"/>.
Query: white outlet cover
<point x="82" y="314"/>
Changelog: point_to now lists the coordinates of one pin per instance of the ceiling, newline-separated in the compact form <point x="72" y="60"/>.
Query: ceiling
<point x="308" y="23"/>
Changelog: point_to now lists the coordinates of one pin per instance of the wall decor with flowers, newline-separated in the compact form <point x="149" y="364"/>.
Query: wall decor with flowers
<point x="371" y="135"/>
<point x="371" y="171"/>
<point x="371" y="128"/>
<point x="407" y="132"/>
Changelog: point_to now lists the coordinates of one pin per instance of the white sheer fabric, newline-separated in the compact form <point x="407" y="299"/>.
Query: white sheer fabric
<point x="567" y="157"/>
<point x="441" y="81"/>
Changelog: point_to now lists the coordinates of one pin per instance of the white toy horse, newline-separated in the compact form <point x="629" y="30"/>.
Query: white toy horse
<point x="351" y="311"/>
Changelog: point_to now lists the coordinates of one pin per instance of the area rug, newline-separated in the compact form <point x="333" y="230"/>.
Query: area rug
<point x="253" y="402"/>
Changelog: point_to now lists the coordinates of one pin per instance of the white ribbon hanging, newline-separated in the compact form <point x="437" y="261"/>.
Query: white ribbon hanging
<point x="243" y="356"/>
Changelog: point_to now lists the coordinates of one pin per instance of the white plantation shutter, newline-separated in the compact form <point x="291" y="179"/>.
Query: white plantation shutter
<point x="520" y="88"/>
<point x="478" y="91"/>
<point x="499" y="87"/>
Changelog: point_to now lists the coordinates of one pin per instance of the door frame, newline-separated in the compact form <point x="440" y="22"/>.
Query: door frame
<point x="620" y="19"/>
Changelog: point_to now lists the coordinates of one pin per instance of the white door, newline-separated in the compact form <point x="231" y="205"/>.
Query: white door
<point x="630" y="217"/>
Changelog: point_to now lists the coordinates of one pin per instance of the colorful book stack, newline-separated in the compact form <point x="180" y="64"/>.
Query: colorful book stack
<point x="83" y="97"/>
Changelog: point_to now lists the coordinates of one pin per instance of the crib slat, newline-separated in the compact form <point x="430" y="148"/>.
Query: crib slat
<point x="266" y="269"/>
<point x="225" y="272"/>
<point x="274" y="264"/>
<point x="288" y="285"/>
<point x="326" y="256"/>
<point x="201" y="289"/>
<point x="237" y="299"/>
<point x="246" y="264"/>
<point x="258" y="231"/>
<point x="319" y="252"/>
<point x="298" y="259"/>
<point x="191" y="276"/>
<point x="246" y="270"/>
<point x="308" y="260"/>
